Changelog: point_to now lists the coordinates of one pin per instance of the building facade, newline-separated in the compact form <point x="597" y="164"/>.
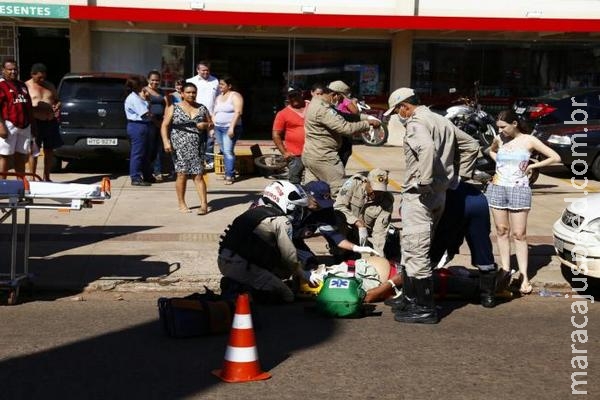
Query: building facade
<point x="270" y="45"/>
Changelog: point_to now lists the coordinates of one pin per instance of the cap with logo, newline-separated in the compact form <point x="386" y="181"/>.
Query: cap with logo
<point x="378" y="178"/>
<point x="397" y="97"/>
<point x="339" y="87"/>
<point x="321" y="192"/>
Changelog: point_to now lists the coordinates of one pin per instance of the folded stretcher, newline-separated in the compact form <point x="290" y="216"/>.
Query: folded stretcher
<point x="25" y="194"/>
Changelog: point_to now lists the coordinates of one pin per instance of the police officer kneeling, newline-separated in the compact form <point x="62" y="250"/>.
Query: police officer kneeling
<point x="257" y="248"/>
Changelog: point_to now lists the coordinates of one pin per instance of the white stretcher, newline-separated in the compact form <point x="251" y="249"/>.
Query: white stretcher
<point x="23" y="194"/>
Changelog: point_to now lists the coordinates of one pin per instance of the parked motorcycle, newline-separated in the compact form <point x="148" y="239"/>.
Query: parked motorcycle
<point x="467" y="115"/>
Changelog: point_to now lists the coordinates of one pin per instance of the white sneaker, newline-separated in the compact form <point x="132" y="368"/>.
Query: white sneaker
<point x="210" y="165"/>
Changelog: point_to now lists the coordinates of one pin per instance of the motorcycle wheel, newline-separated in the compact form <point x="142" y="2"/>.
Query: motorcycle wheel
<point x="375" y="136"/>
<point x="271" y="165"/>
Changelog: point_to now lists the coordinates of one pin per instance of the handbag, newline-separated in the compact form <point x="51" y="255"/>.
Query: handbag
<point x="196" y="315"/>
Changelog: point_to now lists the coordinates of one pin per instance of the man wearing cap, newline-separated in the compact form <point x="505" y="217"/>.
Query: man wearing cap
<point x="321" y="219"/>
<point x="348" y="109"/>
<point x="429" y="151"/>
<point x="288" y="134"/>
<point x="324" y="128"/>
<point x="365" y="206"/>
<point x="46" y="109"/>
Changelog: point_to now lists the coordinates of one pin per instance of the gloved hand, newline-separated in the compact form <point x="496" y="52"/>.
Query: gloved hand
<point x="313" y="277"/>
<point x="363" y="234"/>
<point x="365" y="249"/>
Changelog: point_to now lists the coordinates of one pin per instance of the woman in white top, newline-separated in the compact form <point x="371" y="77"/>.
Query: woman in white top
<point x="227" y="117"/>
<point x="509" y="194"/>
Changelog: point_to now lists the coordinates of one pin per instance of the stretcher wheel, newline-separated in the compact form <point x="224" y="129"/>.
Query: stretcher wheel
<point x="13" y="296"/>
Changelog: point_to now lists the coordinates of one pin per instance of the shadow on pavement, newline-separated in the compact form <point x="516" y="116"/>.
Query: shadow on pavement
<point x="48" y="239"/>
<point x="236" y="197"/>
<point x="142" y="363"/>
<point x="539" y="257"/>
<point x="51" y="269"/>
<point x="105" y="165"/>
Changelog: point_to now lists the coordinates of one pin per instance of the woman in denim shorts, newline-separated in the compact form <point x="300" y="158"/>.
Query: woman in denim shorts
<point x="509" y="194"/>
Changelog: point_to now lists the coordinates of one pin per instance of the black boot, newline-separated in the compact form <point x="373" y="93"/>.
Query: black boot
<point x="487" y="288"/>
<point x="401" y="302"/>
<point x="423" y="309"/>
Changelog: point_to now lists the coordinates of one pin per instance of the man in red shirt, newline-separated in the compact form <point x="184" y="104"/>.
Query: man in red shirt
<point x="16" y="114"/>
<point x="288" y="134"/>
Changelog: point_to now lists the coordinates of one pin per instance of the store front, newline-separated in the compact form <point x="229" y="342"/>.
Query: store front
<point x="262" y="68"/>
<point x="505" y="70"/>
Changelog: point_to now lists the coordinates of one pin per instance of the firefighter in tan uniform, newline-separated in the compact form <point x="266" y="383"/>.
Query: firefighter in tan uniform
<point x="364" y="206"/>
<point x="324" y="128"/>
<point x="429" y="152"/>
<point x="257" y="248"/>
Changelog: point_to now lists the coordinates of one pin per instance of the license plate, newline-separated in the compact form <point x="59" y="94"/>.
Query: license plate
<point x="559" y="244"/>
<point x="101" y="142"/>
<point x="520" y="110"/>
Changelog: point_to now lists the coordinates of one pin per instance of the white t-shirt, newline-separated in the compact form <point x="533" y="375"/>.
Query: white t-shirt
<point x="208" y="90"/>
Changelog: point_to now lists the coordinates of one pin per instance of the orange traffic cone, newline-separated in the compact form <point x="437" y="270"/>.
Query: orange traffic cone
<point x="241" y="358"/>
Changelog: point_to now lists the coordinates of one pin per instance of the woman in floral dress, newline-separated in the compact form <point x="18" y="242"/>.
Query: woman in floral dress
<point x="184" y="132"/>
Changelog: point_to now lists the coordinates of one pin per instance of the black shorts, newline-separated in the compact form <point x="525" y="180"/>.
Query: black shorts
<point x="48" y="134"/>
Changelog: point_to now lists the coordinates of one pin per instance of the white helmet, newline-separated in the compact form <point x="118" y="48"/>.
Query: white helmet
<point x="286" y="196"/>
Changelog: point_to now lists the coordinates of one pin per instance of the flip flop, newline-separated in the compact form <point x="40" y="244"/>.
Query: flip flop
<point x="525" y="290"/>
<point x="184" y="210"/>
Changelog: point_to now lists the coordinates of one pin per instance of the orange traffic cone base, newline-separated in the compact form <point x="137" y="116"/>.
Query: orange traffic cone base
<point x="240" y="372"/>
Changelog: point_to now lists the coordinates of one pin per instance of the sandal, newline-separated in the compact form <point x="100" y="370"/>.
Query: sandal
<point x="526" y="289"/>
<point x="202" y="211"/>
<point x="184" y="210"/>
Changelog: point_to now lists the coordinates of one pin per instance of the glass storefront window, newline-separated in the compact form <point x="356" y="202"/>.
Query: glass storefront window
<point x="504" y="69"/>
<point x="262" y="68"/>
<point x="363" y="65"/>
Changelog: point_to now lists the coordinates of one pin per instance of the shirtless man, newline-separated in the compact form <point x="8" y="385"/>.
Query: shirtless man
<point x="46" y="109"/>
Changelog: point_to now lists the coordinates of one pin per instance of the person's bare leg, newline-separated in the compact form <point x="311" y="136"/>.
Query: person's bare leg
<point x="32" y="163"/>
<point x="48" y="159"/>
<point x="518" y="227"/>
<point x="201" y="189"/>
<point x="501" y="223"/>
<point x="180" y="186"/>
<point x="4" y="163"/>
<point x="19" y="161"/>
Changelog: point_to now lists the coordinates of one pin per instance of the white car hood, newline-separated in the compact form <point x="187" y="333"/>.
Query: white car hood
<point x="590" y="211"/>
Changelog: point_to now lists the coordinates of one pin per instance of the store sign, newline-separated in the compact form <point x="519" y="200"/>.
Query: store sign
<point x="31" y="10"/>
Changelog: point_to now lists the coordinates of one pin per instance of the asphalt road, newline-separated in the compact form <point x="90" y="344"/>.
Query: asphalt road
<point x="110" y="346"/>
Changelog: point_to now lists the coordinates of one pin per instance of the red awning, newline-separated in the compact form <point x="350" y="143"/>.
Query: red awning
<point x="94" y="13"/>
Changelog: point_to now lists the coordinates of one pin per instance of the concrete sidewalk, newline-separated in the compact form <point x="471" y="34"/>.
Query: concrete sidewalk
<point x="138" y="240"/>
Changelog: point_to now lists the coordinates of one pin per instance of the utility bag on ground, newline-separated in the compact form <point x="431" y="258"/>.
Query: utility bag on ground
<point x="196" y="315"/>
<point x="341" y="296"/>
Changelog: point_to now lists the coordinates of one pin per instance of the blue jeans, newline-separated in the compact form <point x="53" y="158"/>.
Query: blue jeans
<point x="295" y="170"/>
<point x="210" y="149"/>
<point x="140" y="137"/>
<point x="226" y="144"/>
<point x="466" y="216"/>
